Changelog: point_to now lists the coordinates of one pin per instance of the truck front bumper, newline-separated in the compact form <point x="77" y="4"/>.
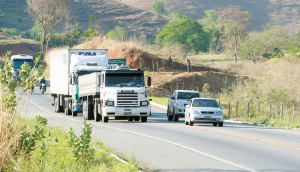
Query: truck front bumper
<point x="126" y="111"/>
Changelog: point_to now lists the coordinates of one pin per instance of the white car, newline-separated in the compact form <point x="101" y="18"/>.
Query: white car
<point x="177" y="102"/>
<point x="203" y="110"/>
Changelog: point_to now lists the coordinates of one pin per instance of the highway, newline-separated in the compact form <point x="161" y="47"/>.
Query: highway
<point x="162" y="145"/>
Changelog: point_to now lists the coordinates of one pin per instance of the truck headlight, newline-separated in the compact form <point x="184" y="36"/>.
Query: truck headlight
<point x="218" y="113"/>
<point x="144" y="103"/>
<point x="180" y="104"/>
<point x="108" y="103"/>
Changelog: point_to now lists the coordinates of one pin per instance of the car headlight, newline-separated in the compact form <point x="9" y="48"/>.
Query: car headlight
<point x="196" y="112"/>
<point x="218" y="113"/>
<point x="108" y="103"/>
<point x="180" y="104"/>
<point x="144" y="103"/>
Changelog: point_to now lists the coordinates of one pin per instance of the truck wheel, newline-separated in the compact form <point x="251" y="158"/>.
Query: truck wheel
<point x="136" y="118"/>
<point x="74" y="113"/>
<point x="170" y="117"/>
<point x="56" y="105"/>
<point x="96" y="114"/>
<point x="130" y="118"/>
<point x="67" y="110"/>
<point x="175" y="116"/>
<point x="89" y="111"/>
<point x="215" y="124"/>
<point x="220" y="124"/>
<point x="105" y="119"/>
<point x="84" y="110"/>
<point x="144" y="119"/>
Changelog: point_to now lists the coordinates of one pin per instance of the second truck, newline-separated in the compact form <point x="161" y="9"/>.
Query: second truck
<point x="82" y="81"/>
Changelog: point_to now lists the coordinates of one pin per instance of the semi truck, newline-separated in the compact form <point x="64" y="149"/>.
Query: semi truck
<point x="18" y="61"/>
<point x="118" y="93"/>
<point x="68" y="64"/>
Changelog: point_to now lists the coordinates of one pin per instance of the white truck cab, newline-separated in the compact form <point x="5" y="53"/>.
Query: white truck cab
<point x="18" y="61"/>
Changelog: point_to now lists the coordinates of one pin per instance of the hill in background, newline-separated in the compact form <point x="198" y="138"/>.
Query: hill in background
<point x="136" y="16"/>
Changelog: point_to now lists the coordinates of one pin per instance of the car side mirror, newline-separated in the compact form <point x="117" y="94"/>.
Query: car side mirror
<point x="172" y="97"/>
<point x="150" y="99"/>
<point x="149" y="81"/>
<point x="222" y="106"/>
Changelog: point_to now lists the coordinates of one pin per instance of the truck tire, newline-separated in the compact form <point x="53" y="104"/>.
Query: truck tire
<point x="96" y="114"/>
<point x="74" y="113"/>
<point x="105" y="119"/>
<point x="56" y="104"/>
<point x="84" y="109"/>
<point x="136" y="118"/>
<point x="170" y="117"/>
<point x="67" y="110"/>
<point x="89" y="112"/>
<point x="144" y="119"/>
<point x="130" y="118"/>
<point x="175" y="116"/>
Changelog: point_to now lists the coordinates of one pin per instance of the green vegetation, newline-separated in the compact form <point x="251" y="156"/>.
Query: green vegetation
<point x="158" y="7"/>
<point x="185" y="32"/>
<point x="30" y="145"/>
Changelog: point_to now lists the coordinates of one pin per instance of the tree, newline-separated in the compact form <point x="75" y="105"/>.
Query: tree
<point x="233" y="24"/>
<point x="185" y="32"/>
<point x="119" y="33"/>
<point x="158" y="7"/>
<point x="258" y="46"/>
<point x="177" y="15"/>
<point x="50" y="14"/>
<point x="210" y="26"/>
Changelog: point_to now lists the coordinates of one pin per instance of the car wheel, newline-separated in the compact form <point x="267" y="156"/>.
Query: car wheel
<point x="175" y="116"/>
<point x="220" y="124"/>
<point x="215" y="124"/>
<point x="190" y="122"/>
<point x="186" y="123"/>
<point x="170" y="117"/>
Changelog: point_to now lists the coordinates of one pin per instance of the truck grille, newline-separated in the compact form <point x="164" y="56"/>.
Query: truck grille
<point x="127" y="99"/>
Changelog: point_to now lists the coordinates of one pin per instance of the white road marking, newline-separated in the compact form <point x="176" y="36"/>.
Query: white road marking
<point x="159" y="139"/>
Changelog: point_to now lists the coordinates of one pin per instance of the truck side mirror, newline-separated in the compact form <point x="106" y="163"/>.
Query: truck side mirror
<point x="72" y="78"/>
<point x="149" y="81"/>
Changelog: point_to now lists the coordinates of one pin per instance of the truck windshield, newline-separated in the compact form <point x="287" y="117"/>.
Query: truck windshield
<point x="19" y="63"/>
<point x="121" y="80"/>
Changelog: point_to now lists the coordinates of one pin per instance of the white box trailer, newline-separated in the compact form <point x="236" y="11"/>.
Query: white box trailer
<point x="62" y="64"/>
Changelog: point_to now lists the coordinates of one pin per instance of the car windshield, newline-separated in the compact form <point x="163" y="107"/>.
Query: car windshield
<point x="187" y="95"/>
<point x="128" y="80"/>
<point x="205" y="103"/>
<point x="18" y="63"/>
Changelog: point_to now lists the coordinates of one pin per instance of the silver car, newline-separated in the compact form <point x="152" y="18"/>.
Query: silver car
<point x="177" y="102"/>
<point x="203" y="110"/>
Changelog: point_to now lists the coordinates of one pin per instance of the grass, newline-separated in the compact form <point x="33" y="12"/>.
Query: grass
<point x="53" y="153"/>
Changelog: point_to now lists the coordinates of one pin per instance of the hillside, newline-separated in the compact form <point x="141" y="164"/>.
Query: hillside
<point x="136" y="16"/>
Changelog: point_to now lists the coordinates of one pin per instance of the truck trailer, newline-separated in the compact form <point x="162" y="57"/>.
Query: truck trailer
<point x="68" y="64"/>
<point x="118" y="93"/>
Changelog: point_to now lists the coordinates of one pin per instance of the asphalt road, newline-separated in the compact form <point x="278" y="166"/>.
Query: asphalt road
<point x="163" y="145"/>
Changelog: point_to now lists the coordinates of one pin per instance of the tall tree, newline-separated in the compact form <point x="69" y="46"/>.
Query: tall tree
<point x="186" y="32"/>
<point x="158" y="7"/>
<point x="258" y="45"/>
<point x="50" y="14"/>
<point x="233" y="24"/>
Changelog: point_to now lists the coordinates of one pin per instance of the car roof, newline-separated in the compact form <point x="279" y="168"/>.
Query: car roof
<point x="187" y="91"/>
<point x="201" y="98"/>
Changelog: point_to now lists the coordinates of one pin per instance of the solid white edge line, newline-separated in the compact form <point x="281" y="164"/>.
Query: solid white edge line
<point x="159" y="139"/>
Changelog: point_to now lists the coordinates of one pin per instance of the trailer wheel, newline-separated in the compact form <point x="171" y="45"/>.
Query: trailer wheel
<point x="144" y="119"/>
<point x="84" y="110"/>
<point x="67" y="105"/>
<point x="56" y="105"/>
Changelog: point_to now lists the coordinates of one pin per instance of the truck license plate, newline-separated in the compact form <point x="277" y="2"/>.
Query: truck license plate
<point x="127" y="113"/>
